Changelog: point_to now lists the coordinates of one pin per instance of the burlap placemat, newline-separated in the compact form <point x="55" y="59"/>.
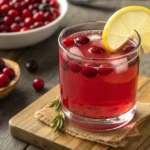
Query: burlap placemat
<point x="115" y="138"/>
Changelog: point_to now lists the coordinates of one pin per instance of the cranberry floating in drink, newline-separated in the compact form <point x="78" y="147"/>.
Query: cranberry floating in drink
<point x="98" y="87"/>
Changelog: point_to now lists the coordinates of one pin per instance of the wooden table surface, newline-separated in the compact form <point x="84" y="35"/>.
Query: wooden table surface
<point x="46" y="54"/>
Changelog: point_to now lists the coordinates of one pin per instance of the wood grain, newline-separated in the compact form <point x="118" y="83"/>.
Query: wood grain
<point x="25" y="127"/>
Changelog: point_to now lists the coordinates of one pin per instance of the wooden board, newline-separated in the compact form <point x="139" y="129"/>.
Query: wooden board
<point x="25" y="127"/>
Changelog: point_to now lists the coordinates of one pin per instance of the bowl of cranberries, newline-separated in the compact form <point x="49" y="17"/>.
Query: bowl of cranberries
<point x="9" y="76"/>
<point x="27" y="22"/>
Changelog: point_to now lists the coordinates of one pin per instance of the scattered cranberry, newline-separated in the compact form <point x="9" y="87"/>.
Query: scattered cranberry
<point x="13" y="13"/>
<point x="39" y="16"/>
<point x="32" y="66"/>
<point x="82" y="40"/>
<point x="9" y="72"/>
<point x="4" y="80"/>
<point x="74" y="66"/>
<point x="38" y="84"/>
<point x="24" y="29"/>
<point x="15" y="27"/>
<point x="105" y="70"/>
<point x="26" y="13"/>
<point x="89" y="71"/>
<point x="97" y="50"/>
<point x="2" y="64"/>
<point x="44" y="7"/>
<point x="68" y="42"/>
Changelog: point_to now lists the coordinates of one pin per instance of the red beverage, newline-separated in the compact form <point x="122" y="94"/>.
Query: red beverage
<point x="97" y="84"/>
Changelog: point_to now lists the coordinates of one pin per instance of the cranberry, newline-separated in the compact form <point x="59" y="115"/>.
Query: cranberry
<point x="56" y="12"/>
<point x="24" y="29"/>
<point x="32" y="66"/>
<point x="45" y="1"/>
<point x="38" y="84"/>
<point x="18" y="19"/>
<point x="15" y="27"/>
<point x="105" y="69"/>
<point x="39" y="16"/>
<point x="23" y="4"/>
<point x="4" y="80"/>
<point x="34" y="11"/>
<point x="44" y="7"/>
<point x="29" y="21"/>
<point x="68" y="41"/>
<point x="4" y="28"/>
<point x="26" y="13"/>
<point x="36" y="6"/>
<point x="2" y="64"/>
<point x="49" y="16"/>
<point x="47" y="22"/>
<point x="13" y="13"/>
<point x="82" y="40"/>
<point x="2" y="2"/>
<point x="74" y="66"/>
<point x="54" y="3"/>
<point x="22" y="24"/>
<point x="38" y="24"/>
<point x="28" y="2"/>
<point x="30" y="7"/>
<point x="5" y="8"/>
<point x="18" y="6"/>
<point x="9" y="72"/>
<point x="8" y="20"/>
<point x="89" y="71"/>
<point x="97" y="50"/>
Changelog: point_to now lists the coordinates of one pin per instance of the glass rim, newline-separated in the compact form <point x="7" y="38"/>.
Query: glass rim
<point x="88" y="58"/>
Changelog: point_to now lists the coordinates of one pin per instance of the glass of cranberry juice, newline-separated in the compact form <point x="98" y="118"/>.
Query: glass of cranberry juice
<point x="98" y="88"/>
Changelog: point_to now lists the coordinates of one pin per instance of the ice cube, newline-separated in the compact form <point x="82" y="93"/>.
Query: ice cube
<point x="76" y="51"/>
<point x="94" y="37"/>
<point x="120" y="65"/>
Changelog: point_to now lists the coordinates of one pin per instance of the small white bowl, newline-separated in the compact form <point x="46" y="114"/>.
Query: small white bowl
<point x="22" y="39"/>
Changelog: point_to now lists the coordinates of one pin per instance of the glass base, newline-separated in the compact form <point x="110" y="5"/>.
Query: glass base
<point x="100" y="124"/>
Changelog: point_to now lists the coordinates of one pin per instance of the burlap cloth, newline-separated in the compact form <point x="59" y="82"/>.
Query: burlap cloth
<point x="115" y="138"/>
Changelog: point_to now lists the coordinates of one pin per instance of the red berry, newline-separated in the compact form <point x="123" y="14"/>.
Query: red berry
<point x="13" y="13"/>
<point x="5" y="8"/>
<point x="29" y="21"/>
<point x="97" y="49"/>
<point x="2" y="64"/>
<point x="18" y="19"/>
<point x="22" y="24"/>
<point x="38" y="24"/>
<point x="23" y="4"/>
<point x="68" y="41"/>
<point x="39" y="16"/>
<point x="32" y="66"/>
<point x="9" y="72"/>
<point x="105" y="70"/>
<point x="47" y="22"/>
<point x="26" y="13"/>
<point x="4" y="28"/>
<point x="38" y="84"/>
<point x="15" y="27"/>
<point x="89" y="71"/>
<point x="2" y="2"/>
<point x="28" y="2"/>
<point x="4" y="80"/>
<point x="34" y="11"/>
<point x="8" y="20"/>
<point x="30" y="7"/>
<point x="74" y="66"/>
<point x="54" y="3"/>
<point x="24" y="29"/>
<point x="36" y="5"/>
<point x="18" y="6"/>
<point x="82" y="40"/>
<point x="56" y="11"/>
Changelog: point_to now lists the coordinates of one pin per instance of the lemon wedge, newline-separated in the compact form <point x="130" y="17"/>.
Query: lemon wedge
<point x="121" y="26"/>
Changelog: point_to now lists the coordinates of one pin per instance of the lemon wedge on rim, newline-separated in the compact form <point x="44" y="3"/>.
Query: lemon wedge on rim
<point x="121" y="26"/>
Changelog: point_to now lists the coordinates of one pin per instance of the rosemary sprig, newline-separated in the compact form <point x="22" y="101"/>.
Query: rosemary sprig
<point x="59" y="120"/>
<point x="56" y="104"/>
